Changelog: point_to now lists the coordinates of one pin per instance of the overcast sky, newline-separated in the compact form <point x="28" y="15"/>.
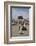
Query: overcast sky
<point x="20" y="12"/>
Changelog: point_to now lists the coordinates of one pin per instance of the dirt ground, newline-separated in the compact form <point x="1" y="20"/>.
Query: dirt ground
<point x="16" y="31"/>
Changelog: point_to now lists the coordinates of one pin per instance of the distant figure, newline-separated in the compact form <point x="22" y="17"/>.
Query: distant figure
<point x="22" y="28"/>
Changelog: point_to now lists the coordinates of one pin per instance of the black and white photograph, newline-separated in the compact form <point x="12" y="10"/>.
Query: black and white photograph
<point x="20" y="21"/>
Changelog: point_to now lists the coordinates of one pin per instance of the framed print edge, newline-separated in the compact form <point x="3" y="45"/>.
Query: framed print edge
<point x="6" y="23"/>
